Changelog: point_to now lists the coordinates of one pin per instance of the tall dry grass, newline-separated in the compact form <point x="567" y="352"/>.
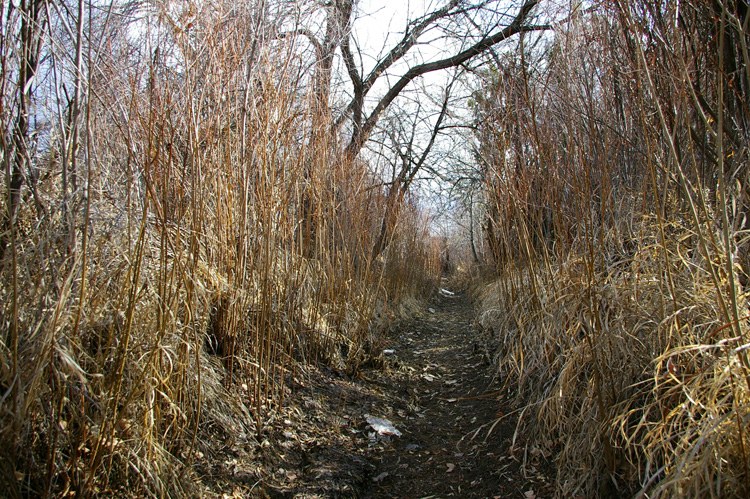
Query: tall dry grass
<point x="616" y="186"/>
<point x="213" y="239"/>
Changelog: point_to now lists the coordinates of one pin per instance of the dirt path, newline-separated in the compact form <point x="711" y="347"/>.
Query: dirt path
<point x="456" y="440"/>
<point x="438" y="391"/>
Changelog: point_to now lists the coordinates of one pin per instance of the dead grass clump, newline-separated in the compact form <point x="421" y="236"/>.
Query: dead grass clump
<point x="627" y="386"/>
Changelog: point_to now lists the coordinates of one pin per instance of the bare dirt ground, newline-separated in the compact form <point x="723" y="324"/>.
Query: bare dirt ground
<point x="437" y="389"/>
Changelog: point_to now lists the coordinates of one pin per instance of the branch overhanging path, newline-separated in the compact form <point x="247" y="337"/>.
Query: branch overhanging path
<point x="363" y="129"/>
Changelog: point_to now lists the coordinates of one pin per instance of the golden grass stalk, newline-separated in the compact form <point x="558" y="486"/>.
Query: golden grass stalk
<point x="617" y="213"/>
<point x="220" y="240"/>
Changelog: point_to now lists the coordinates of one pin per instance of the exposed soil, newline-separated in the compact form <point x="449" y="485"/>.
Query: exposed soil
<point x="435" y="386"/>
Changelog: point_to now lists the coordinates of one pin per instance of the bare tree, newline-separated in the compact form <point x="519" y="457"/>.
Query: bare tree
<point x="364" y="123"/>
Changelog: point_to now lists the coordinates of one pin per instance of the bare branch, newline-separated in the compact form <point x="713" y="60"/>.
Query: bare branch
<point x="517" y="26"/>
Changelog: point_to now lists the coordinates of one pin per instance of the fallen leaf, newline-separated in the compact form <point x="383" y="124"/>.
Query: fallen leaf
<point x="236" y="494"/>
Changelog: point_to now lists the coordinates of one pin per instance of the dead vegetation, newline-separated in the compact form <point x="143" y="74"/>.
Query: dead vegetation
<point x="187" y="230"/>
<point x="616" y="186"/>
<point x="187" y="221"/>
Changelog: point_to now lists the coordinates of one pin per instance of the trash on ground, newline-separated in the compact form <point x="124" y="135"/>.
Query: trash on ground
<point x="431" y="310"/>
<point x="389" y="351"/>
<point x="382" y="426"/>
<point x="446" y="292"/>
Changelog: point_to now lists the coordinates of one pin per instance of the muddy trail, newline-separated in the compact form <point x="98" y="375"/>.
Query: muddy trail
<point x="452" y="434"/>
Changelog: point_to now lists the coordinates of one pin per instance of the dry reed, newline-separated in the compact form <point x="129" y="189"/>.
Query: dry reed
<point x="214" y="237"/>
<point x="617" y="214"/>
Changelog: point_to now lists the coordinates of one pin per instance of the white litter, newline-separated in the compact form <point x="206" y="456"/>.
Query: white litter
<point x="382" y="426"/>
<point x="380" y="477"/>
<point x="389" y="352"/>
<point x="446" y="292"/>
<point x="431" y="310"/>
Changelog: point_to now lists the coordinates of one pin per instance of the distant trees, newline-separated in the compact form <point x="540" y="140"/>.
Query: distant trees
<point x="363" y="122"/>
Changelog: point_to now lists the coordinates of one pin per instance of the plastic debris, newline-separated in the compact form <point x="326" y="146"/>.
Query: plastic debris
<point x="431" y="310"/>
<point x="446" y="292"/>
<point x="389" y="351"/>
<point x="382" y="426"/>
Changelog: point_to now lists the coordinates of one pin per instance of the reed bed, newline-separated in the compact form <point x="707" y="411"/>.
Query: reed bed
<point x="213" y="238"/>
<point x="621" y="385"/>
<point x="617" y="228"/>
